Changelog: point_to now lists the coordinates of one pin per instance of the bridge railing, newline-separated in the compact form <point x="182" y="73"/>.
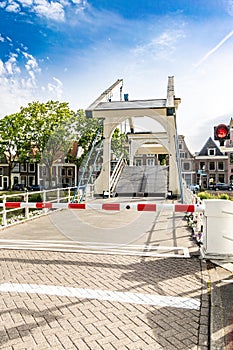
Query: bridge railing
<point x="117" y="173"/>
<point x="10" y="215"/>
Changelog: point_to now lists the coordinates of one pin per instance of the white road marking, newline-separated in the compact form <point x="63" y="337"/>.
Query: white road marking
<point x="97" y="248"/>
<point x="227" y="281"/>
<point x="107" y="295"/>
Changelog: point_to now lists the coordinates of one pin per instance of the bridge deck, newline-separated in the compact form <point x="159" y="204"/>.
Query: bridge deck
<point x="126" y="232"/>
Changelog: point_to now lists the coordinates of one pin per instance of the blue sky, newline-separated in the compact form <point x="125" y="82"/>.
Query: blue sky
<point x="72" y="50"/>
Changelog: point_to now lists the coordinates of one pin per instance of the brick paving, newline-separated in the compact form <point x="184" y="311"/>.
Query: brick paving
<point x="49" y="321"/>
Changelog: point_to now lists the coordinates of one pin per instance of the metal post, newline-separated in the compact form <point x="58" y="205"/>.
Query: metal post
<point x="4" y="219"/>
<point x="27" y="208"/>
<point x="44" y="200"/>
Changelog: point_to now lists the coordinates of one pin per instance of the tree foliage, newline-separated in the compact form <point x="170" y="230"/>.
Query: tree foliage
<point x="118" y="144"/>
<point x="87" y="131"/>
<point x="11" y="140"/>
<point x="42" y="132"/>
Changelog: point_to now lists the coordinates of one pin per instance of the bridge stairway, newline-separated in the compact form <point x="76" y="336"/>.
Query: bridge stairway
<point x="143" y="181"/>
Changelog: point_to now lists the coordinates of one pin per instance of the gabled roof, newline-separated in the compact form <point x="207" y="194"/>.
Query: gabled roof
<point x="210" y="144"/>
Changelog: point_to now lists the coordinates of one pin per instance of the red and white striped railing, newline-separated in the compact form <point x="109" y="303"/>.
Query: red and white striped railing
<point x="150" y="207"/>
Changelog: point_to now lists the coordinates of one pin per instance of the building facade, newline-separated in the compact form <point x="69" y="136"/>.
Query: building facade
<point x="211" y="165"/>
<point x="145" y="159"/>
<point x="29" y="174"/>
<point x="62" y="175"/>
<point x="187" y="162"/>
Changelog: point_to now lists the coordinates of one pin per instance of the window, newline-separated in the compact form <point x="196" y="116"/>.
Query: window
<point x="211" y="165"/>
<point x="54" y="171"/>
<point x="138" y="162"/>
<point x="24" y="180"/>
<point x="32" y="167"/>
<point x="180" y="145"/>
<point x="182" y="155"/>
<point x="212" y="179"/>
<point x="23" y="167"/>
<point x="150" y="155"/>
<point x="231" y="158"/>
<point x="63" y="172"/>
<point x="221" y="178"/>
<point x="44" y="172"/>
<point x="186" y="166"/>
<point x="1" y="170"/>
<point x="188" y="179"/>
<point x="69" y="172"/>
<point x="15" y="180"/>
<point x="150" y="162"/>
<point x="16" y="167"/>
<point x="31" y="180"/>
<point x="220" y="166"/>
<point x="202" y="165"/>
<point x="211" y="151"/>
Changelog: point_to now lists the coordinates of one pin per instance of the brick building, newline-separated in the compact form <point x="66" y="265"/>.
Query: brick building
<point x="211" y="165"/>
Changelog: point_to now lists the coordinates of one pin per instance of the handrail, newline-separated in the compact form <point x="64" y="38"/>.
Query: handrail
<point x="94" y="144"/>
<point x="117" y="172"/>
<point x="52" y="195"/>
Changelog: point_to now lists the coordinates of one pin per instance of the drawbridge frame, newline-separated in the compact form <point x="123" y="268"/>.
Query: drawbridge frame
<point x="114" y="113"/>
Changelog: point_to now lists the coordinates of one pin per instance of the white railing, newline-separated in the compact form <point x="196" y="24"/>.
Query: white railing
<point x="9" y="216"/>
<point x="117" y="173"/>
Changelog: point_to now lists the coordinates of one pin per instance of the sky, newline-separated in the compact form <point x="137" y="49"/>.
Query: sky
<point x="73" y="50"/>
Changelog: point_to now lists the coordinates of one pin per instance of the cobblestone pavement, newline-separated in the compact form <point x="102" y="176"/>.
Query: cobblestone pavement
<point x="221" y="326"/>
<point x="58" y="300"/>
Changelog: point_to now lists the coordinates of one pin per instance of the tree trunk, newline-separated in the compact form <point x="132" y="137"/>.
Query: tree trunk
<point x="50" y="175"/>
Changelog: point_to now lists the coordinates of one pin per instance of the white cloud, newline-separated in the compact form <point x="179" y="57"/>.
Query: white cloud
<point x="9" y="39"/>
<point x="54" y="10"/>
<point x="31" y="62"/>
<point x="162" y="46"/>
<point x="11" y="66"/>
<point x="13" y="7"/>
<point x="26" y="3"/>
<point x="56" y="88"/>
<point x="51" y="10"/>
<point x="229" y="6"/>
<point x="2" y="69"/>
<point x="18" y="81"/>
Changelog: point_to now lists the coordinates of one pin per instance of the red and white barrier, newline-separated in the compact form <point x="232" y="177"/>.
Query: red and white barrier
<point x="149" y="207"/>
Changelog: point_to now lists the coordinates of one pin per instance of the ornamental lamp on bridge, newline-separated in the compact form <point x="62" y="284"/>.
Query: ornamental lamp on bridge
<point x="222" y="133"/>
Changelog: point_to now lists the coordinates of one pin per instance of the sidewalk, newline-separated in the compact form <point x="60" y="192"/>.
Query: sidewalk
<point x="221" y="317"/>
<point x="52" y="300"/>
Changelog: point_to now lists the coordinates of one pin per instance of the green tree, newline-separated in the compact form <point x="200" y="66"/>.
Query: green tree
<point x="118" y="144"/>
<point x="43" y="132"/>
<point x="11" y="140"/>
<point x="85" y="131"/>
<point x="41" y="123"/>
<point x="32" y="134"/>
